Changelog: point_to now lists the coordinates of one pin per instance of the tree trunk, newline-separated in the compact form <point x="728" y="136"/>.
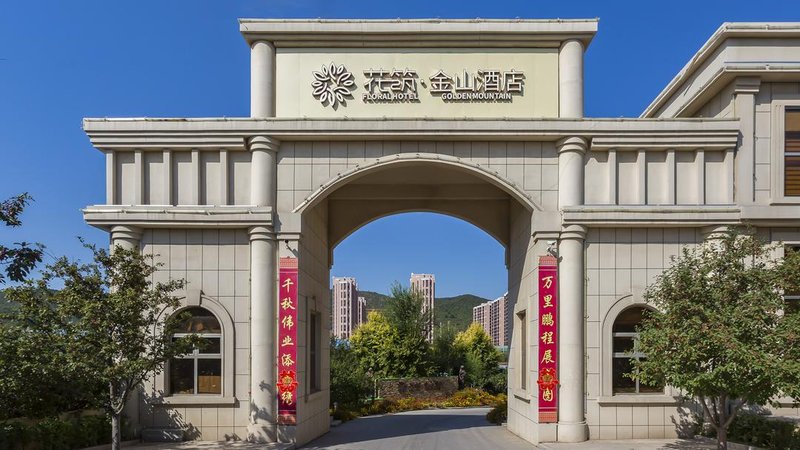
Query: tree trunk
<point x="722" y="438"/>
<point x="722" y="425"/>
<point x="116" y="431"/>
<point x="116" y="413"/>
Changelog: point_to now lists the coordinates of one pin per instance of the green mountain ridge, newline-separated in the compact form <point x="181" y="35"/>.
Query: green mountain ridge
<point x="455" y="311"/>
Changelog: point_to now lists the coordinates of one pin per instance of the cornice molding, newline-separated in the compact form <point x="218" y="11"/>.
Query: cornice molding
<point x="231" y="134"/>
<point x="445" y="33"/>
<point x="156" y="216"/>
<point x="651" y="216"/>
<point x="728" y="30"/>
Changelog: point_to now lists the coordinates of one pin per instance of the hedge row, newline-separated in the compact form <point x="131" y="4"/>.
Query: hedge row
<point x="55" y="434"/>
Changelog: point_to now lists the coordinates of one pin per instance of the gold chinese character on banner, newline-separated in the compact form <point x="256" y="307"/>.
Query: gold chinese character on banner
<point x="548" y="357"/>
<point x="547" y="337"/>
<point x="548" y="301"/>
<point x="287" y="322"/>
<point x="287" y="303"/>
<point x="548" y="281"/>
<point x="287" y="397"/>
<point x="547" y="395"/>
<point x="287" y="340"/>
<point x="547" y="320"/>
<point x="286" y="360"/>
<point x="287" y="283"/>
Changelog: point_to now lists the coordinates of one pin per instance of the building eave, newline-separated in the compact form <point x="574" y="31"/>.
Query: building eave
<point x="726" y="31"/>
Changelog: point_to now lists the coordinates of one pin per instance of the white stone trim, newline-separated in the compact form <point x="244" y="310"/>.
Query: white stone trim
<point x="727" y="30"/>
<point x="417" y="32"/>
<point x="360" y="170"/>
<point x="231" y="133"/>
<point x="195" y="298"/>
<point x="606" y="353"/>
<point x="165" y="216"/>
<point x="651" y="216"/>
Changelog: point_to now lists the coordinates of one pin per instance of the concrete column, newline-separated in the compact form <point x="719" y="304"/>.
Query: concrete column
<point x="745" y="90"/>
<point x="570" y="79"/>
<point x="263" y="171"/>
<point x="262" y="79"/>
<point x="128" y="238"/>
<point x="263" y="295"/>
<point x="263" y="335"/>
<point x="125" y="236"/>
<point x="571" y="420"/>
<point x="571" y="151"/>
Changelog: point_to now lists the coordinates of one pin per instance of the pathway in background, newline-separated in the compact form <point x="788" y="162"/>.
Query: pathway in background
<point x="440" y="429"/>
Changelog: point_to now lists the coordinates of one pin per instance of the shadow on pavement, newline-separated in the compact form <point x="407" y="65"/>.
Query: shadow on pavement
<point x="396" y="425"/>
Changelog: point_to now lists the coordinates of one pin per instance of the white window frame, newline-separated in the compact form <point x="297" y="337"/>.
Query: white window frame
<point x="195" y="356"/>
<point x="777" y="144"/>
<point x="607" y="397"/>
<point x="161" y="393"/>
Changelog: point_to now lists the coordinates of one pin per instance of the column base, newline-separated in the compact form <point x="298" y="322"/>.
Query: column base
<point x="261" y="432"/>
<point x="573" y="432"/>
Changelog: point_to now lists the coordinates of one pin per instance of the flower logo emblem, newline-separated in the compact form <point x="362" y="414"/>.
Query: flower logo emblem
<point x="333" y="85"/>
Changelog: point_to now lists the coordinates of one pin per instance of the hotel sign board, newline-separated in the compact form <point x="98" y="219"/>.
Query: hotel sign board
<point x="450" y="83"/>
<point x="548" y="340"/>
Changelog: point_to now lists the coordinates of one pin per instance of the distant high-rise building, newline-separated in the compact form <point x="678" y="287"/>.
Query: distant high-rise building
<point x="495" y="318"/>
<point x="349" y="310"/>
<point x="425" y="285"/>
<point x="362" y="310"/>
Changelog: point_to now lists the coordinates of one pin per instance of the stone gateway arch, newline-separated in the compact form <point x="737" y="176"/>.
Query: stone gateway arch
<point x="353" y="120"/>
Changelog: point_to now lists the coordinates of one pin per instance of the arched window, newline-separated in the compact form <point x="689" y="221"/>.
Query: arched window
<point x="198" y="372"/>
<point x="626" y="347"/>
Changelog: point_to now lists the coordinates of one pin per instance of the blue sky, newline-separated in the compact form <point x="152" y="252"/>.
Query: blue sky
<point x="61" y="61"/>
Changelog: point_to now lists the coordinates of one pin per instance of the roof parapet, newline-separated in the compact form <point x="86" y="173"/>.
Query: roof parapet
<point x="417" y="32"/>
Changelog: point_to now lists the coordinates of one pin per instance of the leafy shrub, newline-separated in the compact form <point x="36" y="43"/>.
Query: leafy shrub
<point x="55" y="434"/>
<point x="761" y="431"/>
<point x="344" y="414"/>
<point x="471" y="397"/>
<point x="499" y="413"/>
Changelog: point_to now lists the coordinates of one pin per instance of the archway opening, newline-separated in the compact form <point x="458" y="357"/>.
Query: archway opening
<point x="371" y="224"/>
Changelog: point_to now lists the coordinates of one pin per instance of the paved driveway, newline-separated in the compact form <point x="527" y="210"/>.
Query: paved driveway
<point x="441" y="429"/>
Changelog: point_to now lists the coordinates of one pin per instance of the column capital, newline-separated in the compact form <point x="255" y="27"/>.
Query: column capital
<point x="261" y="233"/>
<point x="264" y="143"/>
<point x="572" y="144"/>
<point x="126" y="232"/>
<point x="747" y="85"/>
<point x="575" y="232"/>
<point x="262" y="42"/>
<point x="566" y="42"/>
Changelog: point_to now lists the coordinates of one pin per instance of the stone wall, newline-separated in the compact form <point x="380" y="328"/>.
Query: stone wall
<point x="428" y="387"/>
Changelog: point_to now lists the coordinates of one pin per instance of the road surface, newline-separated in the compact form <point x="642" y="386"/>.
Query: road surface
<point x="439" y="429"/>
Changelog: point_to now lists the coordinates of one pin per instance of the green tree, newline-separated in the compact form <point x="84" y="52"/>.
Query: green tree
<point x="393" y="344"/>
<point x="446" y="358"/>
<point x="20" y="258"/>
<point x="108" y="324"/>
<point x="720" y="332"/>
<point x="372" y="345"/>
<point x="410" y="320"/>
<point x="349" y="381"/>
<point x="480" y="356"/>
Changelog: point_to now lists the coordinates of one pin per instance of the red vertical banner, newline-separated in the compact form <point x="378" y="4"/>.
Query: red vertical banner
<point x="548" y="339"/>
<point x="287" y="342"/>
